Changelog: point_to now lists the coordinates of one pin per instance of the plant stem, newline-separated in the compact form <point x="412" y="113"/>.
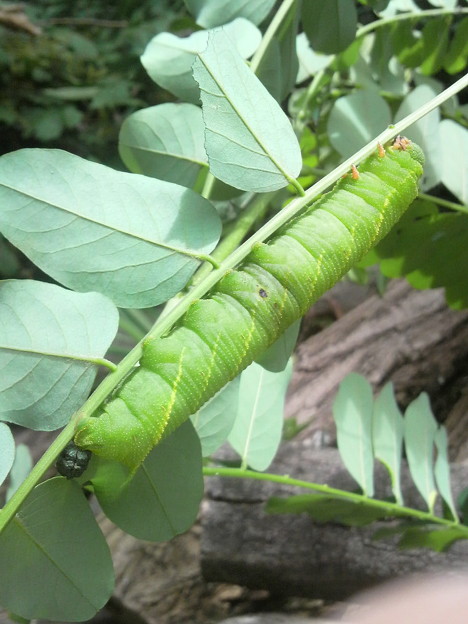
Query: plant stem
<point x="444" y="202"/>
<point x="392" y="509"/>
<point x="97" y="361"/>
<point x="273" y="27"/>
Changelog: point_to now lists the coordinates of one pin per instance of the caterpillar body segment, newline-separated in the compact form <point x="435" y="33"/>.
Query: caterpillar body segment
<point x="249" y="308"/>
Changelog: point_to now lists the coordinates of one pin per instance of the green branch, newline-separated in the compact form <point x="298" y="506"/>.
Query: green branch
<point x="444" y="203"/>
<point x="390" y="509"/>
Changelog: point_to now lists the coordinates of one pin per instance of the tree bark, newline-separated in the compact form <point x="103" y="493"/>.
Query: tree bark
<point x="409" y="337"/>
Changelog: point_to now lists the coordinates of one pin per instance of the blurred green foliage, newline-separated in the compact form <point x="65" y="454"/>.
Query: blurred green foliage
<point x="71" y="85"/>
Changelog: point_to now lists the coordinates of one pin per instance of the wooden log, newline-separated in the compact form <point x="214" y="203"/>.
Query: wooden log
<point x="407" y="336"/>
<point x="291" y="554"/>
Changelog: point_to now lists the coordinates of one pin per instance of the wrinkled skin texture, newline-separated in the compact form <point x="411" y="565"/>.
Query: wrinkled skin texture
<point x="249" y="308"/>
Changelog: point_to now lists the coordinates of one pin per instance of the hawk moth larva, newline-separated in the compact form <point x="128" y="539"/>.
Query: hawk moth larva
<point x="250" y="307"/>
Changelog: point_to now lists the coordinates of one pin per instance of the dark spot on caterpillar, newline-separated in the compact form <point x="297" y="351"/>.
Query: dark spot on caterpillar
<point x="263" y="293"/>
<point x="72" y="461"/>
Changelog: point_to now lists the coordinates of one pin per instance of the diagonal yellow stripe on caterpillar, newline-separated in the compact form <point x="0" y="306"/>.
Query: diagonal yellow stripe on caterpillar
<point x="250" y="307"/>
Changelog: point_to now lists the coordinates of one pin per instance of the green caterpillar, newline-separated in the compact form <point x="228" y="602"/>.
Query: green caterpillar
<point x="249" y="308"/>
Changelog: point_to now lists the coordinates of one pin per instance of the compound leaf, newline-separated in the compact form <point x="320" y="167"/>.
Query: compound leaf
<point x="352" y="411"/>
<point x="49" y="340"/>
<point x="328" y="508"/>
<point x="430" y="249"/>
<point x="276" y="357"/>
<point x="355" y="119"/>
<point x="170" y="482"/>
<point x="165" y="142"/>
<point x="20" y="469"/>
<point x="55" y="542"/>
<point x="442" y="469"/>
<point x="420" y="429"/>
<point x="249" y="140"/>
<point x="257" y="430"/>
<point x="279" y="64"/>
<point x="330" y="26"/>
<point x="7" y="451"/>
<point x="132" y="238"/>
<point x="454" y="157"/>
<point x="168" y="59"/>
<point x="438" y="539"/>
<point x="211" y="13"/>
<point x="214" y="421"/>
<point x="387" y="432"/>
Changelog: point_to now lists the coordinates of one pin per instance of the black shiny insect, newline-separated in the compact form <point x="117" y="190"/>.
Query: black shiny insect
<point x="72" y="461"/>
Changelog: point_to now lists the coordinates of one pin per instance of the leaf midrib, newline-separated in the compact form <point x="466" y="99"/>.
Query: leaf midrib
<point x="187" y="252"/>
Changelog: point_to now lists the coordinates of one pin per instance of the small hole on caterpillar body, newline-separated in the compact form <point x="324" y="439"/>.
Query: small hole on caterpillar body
<point x="263" y="293"/>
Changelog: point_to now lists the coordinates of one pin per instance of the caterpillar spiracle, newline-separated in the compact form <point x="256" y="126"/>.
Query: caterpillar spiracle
<point x="250" y="307"/>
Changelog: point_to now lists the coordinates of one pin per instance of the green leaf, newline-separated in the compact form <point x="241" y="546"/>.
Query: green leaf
<point x="377" y="5"/>
<point x="9" y="263"/>
<point x="7" y="451"/>
<point x="328" y="508"/>
<point x="420" y="429"/>
<point x="256" y="434"/>
<point x="430" y="249"/>
<point x="249" y="140"/>
<point x="165" y="142"/>
<point x="49" y="340"/>
<point x="436" y="539"/>
<point x="408" y="48"/>
<point x="330" y="26"/>
<point x="275" y="359"/>
<point x="453" y="152"/>
<point x="310" y="61"/>
<point x="435" y="41"/>
<point x="352" y="411"/>
<point x="389" y="73"/>
<point x="214" y="421"/>
<point x="59" y="565"/>
<point x="446" y="4"/>
<point x="424" y="132"/>
<point x="168" y="59"/>
<point x="462" y="503"/>
<point x="442" y="470"/>
<point x="279" y="63"/>
<point x="170" y="483"/>
<point x="394" y="6"/>
<point x="347" y="130"/>
<point x="212" y="13"/>
<point x="20" y="469"/>
<point x="132" y="238"/>
<point x="456" y="58"/>
<point x="387" y="432"/>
